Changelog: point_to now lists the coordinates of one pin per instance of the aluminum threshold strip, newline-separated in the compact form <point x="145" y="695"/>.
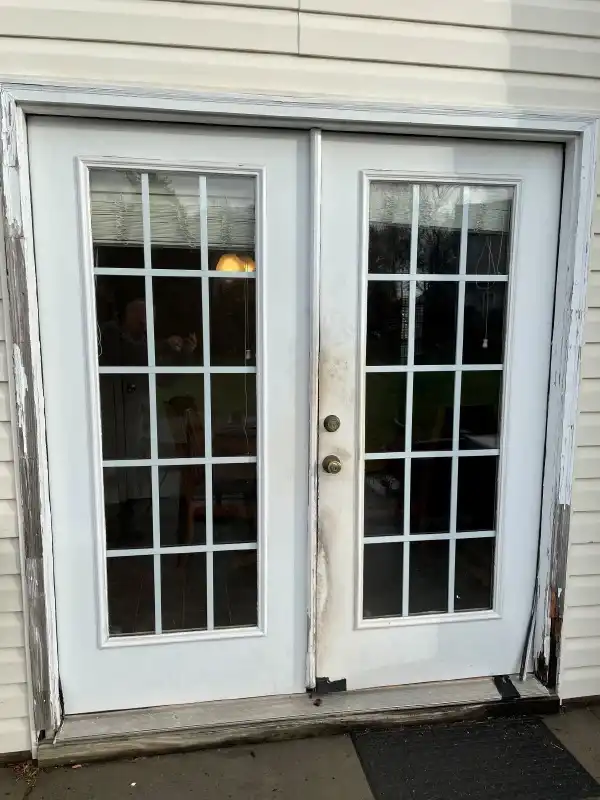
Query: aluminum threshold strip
<point x="91" y="737"/>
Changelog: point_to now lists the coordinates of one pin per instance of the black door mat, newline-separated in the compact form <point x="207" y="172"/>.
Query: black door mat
<point x="496" y="760"/>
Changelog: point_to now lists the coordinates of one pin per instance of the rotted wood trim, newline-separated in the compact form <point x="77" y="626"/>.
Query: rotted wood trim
<point x="567" y="340"/>
<point x="31" y="455"/>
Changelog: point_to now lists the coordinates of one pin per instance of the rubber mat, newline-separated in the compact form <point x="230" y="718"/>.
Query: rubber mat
<point x="496" y="760"/>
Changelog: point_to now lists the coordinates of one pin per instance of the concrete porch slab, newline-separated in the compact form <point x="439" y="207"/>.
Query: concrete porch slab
<point x="319" y="769"/>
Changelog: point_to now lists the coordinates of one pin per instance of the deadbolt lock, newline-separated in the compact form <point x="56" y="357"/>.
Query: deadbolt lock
<point x="332" y="465"/>
<point x="331" y="423"/>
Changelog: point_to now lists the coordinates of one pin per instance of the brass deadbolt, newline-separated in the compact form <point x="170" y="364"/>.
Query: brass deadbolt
<point x="331" y="423"/>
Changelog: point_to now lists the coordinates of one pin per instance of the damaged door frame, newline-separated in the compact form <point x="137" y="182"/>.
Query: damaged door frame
<point x="577" y="132"/>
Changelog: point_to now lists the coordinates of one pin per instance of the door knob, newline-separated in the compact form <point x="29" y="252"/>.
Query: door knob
<point x="332" y="465"/>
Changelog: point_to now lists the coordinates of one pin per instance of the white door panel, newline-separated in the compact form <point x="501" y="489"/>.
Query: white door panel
<point x="437" y="286"/>
<point x="177" y="386"/>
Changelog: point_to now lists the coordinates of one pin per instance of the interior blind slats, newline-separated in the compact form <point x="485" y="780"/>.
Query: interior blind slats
<point x="116" y="209"/>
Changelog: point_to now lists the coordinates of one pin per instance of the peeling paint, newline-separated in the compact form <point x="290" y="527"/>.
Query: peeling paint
<point x="21" y="387"/>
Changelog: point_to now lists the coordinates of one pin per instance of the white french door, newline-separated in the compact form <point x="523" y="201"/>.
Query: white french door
<point x="172" y="277"/>
<point x="438" y="263"/>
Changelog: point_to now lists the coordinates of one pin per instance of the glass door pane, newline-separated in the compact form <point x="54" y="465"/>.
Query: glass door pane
<point x="175" y="276"/>
<point x="437" y="284"/>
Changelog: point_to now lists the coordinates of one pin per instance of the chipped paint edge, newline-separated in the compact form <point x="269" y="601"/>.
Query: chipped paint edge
<point x="567" y="341"/>
<point x="29" y="432"/>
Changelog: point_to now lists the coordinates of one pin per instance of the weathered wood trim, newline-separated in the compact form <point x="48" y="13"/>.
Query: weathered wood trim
<point x="31" y="457"/>
<point x="567" y="341"/>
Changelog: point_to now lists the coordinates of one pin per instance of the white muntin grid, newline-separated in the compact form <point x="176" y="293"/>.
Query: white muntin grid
<point x="156" y="463"/>
<point x="461" y="278"/>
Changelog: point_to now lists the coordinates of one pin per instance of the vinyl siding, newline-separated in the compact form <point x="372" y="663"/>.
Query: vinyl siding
<point x="507" y="53"/>
<point x="15" y="728"/>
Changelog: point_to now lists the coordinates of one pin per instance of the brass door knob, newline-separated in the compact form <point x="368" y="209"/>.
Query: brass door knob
<point x="332" y="465"/>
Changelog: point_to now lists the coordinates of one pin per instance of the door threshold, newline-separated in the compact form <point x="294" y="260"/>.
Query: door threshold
<point x="142" y="732"/>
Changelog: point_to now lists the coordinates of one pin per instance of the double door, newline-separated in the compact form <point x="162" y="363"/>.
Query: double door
<point x="174" y="282"/>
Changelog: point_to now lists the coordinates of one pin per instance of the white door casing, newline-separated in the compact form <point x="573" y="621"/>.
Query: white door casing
<point x="388" y="649"/>
<point x="100" y="671"/>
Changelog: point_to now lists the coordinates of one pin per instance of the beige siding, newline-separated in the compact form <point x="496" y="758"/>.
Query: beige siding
<point x="508" y="53"/>
<point x="15" y="727"/>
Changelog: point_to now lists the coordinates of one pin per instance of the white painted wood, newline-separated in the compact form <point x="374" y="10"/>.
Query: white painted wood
<point x="216" y="715"/>
<point x="314" y="420"/>
<point x="437" y="45"/>
<point x="158" y="23"/>
<point x="433" y="647"/>
<point x="213" y="666"/>
<point x="574" y="17"/>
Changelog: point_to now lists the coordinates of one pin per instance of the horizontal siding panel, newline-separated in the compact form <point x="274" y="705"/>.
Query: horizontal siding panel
<point x="11" y="631"/>
<point x="588" y="430"/>
<point x="591" y="334"/>
<point x="15" y="736"/>
<point x="587" y="462"/>
<point x="210" y="70"/>
<point x="595" y="243"/>
<point x="586" y="495"/>
<point x="441" y="45"/>
<point x="584" y="682"/>
<point x="593" y="289"/>
<point x="7" y="485"/>
<point x="3" y="362"/>
<point x="8" y="518"/>
<point x="252" y="3"/>
<point x="6" y="442"/>
<point x="9" y="557"/>
<point x="13" y="667"/>
<point x="13" y="701"/>
<point x="584" y="559"/>
<point x="581" y="623"/>
<point x="577" y="653"/>
<point x="589" y="395"/>
<point x="158" y="23"/>
<point x="584" y="528"/>
<point x="575" y="17"/>
<point x="583" y="590"/>
<point x="590" y="361"/>
<point x="11" y="593"/>
<point x="5" y="403"/>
